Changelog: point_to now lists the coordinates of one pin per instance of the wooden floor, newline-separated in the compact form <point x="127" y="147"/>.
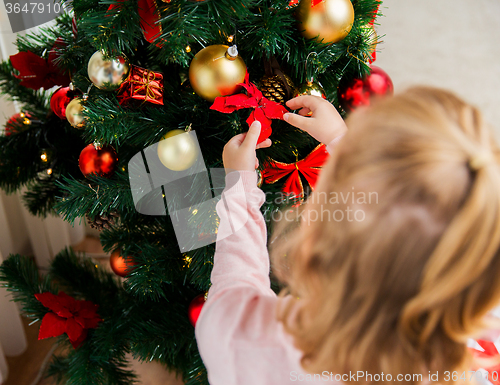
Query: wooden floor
<point x="26" y="368"/>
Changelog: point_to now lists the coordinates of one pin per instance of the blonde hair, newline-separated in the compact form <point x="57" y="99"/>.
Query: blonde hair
<point x="400" y="291"/>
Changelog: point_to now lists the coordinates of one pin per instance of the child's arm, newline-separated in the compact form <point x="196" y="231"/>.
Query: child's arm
<point x="325" y="124"/>
<point x="239" y="316"/>
<point x="241" y="259"/>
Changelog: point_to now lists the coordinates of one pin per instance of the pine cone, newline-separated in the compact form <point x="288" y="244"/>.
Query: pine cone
<point x="272" y="88"/>
<point x="100" y="222"/>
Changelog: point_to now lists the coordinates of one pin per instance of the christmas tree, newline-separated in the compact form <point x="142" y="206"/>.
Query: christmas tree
<point x="169" y="75"/>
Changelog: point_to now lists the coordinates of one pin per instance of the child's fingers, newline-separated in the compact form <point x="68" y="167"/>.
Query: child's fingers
<point x="252" y="135"/>
<point x="236" y="140"/>
<point x="298" y="121"/>
<point x="264" y="144"/>
<point x="301" y="101"/>
<point x="305" y="111"/>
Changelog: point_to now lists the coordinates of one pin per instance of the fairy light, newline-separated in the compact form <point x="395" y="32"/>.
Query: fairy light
<point x="230" y="38"/>
<point x="49" y="171"/>
<point x="27" y="121"/>
<point x="43" y="157"/>
<point x="187" y="261"/>
<point x="22" y="114"/>
<point x="188" y="49"/>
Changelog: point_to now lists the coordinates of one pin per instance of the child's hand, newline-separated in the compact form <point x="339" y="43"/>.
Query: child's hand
<point x="239" y="152"/>
<point x="325" y="123"/>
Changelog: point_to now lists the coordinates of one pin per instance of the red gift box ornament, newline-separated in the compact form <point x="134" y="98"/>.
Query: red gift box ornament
<point x="67" y="315"/>
<point x="263" y="109"/>
<point x="309" y="168"/>
<point x="142" y="84"/>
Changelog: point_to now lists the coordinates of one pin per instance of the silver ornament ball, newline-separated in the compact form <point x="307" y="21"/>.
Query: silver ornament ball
<point x="107" y="74"/>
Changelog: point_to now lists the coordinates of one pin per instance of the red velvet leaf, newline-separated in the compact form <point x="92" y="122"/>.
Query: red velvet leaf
<point x="69" y="302"/>
<point x="53" y="303"/>
<point x="274" y="110"/>
<point x="88" y="309"/>
<point x="73" y="329"/>
<point x="52" y="326"/>
<point x="36" y="73"/>
<point x="242" y="101"/>
<point x="265" y="130"/>
<point x="76" y="343"/>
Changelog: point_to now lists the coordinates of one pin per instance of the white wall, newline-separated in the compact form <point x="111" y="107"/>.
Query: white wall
<point x="452" y="44"/>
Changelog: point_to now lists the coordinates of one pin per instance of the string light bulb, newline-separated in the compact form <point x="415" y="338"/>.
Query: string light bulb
<point x="43" y="157"/>
<point x="188" y="49"/>
<point x="27" y="121"/>
<point x="187" y="261"/>
<point x="49" y="171"/>
<point x="230" y="38"/>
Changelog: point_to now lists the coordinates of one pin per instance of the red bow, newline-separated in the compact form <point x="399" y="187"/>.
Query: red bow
<point x="490" y="352"/>
<point x="68" y="316"/>
<point x="36" y="72"/>
<point x="263" y="109"/>
<point x="309" y="168"/>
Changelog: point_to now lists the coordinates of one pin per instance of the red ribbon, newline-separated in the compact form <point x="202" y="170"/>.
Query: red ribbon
<point x="142" y="84"/>
<point x="67" y="315"/>
<point x="263" y="109"/>
<point x="309" y="168"/>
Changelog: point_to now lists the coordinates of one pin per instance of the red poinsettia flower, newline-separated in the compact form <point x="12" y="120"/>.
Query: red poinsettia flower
<point x="263" y="109"/>
<point x="67" y="315"/>
<point x="36" y="72"/>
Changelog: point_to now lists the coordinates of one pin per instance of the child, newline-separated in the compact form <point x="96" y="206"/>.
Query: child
<point x="396" y="292"/>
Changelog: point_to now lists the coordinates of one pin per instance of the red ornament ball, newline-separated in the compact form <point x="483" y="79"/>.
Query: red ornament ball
<point x="101" y="161"/>
<point x="195" y="308"/>
<point x="359" y="92"/>
<point x="59" y="100"/>
<point x="121" y="266"/>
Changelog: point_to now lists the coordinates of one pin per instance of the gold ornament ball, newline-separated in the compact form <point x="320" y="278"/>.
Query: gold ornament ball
<point x="310" y="88"/>
<point x="109" y="74"/>
<point x="329" y="21"/>
<point x="214" y="72"/>
<point x="74" y="113"/>
<point x="179" y="152"/>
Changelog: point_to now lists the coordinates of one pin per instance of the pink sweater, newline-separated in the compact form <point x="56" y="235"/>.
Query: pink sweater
<point x="239" y="338"/>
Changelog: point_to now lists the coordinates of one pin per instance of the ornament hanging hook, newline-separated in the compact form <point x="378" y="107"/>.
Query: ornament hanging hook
<point x="309" y="78"/>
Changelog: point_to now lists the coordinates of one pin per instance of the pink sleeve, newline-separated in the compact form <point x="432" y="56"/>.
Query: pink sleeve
<point x="241" y="257"/>
<point x="239" y="316"/>
<point x="330" y="146"/>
